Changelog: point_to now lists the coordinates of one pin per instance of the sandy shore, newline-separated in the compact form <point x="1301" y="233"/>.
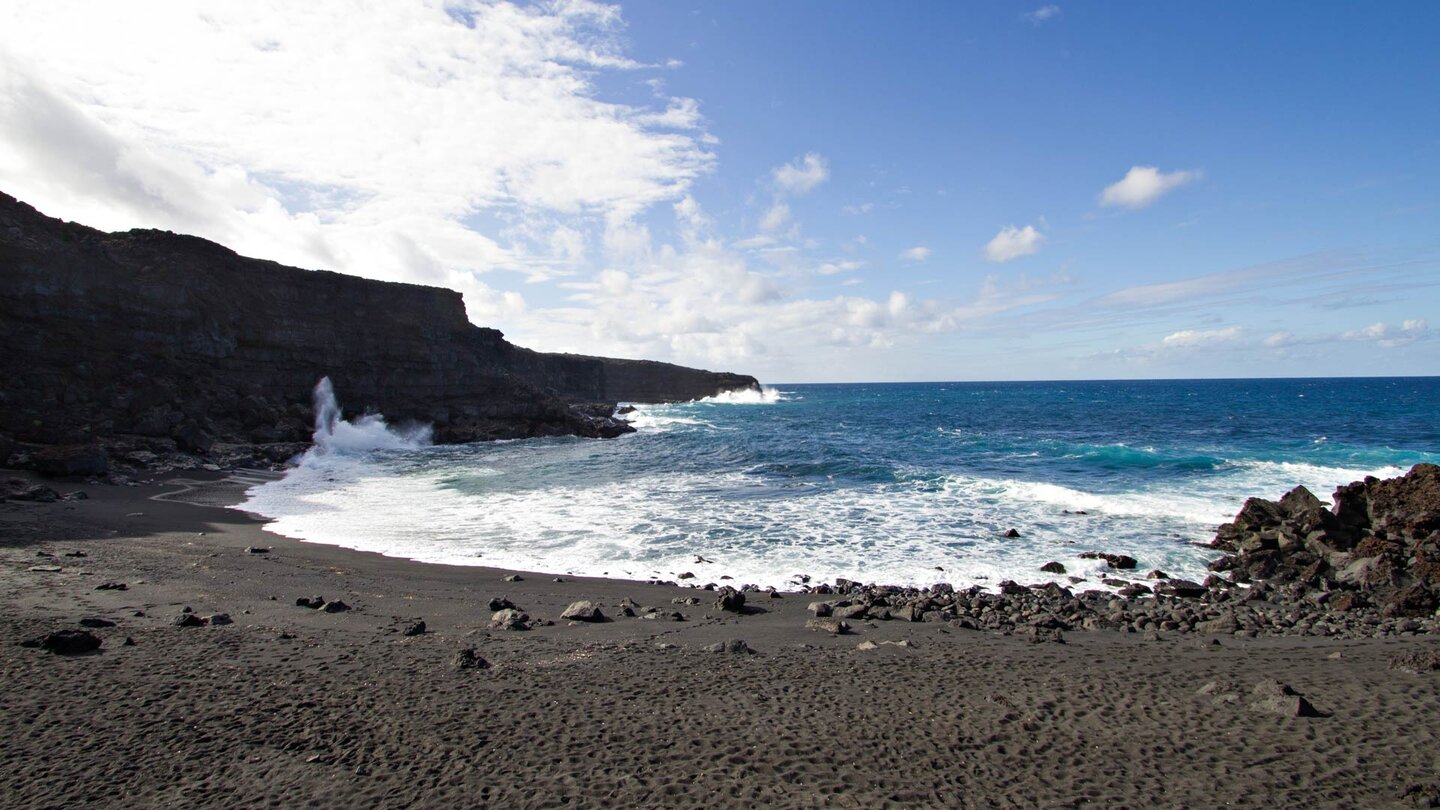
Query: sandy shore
<point x="292" y="707"/>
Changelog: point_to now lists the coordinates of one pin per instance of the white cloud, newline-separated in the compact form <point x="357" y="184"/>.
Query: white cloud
<point x="855" y="210"/>
<point x="776" y="217"/>
<point x="1387" y="336"/>
<point x="1143" y="185"/>
<point x="801" y="175"/>
<point x="317" y="136"/>
<point x="1012" y="243"/>
<point x="1042" y="14"/>
<point x="1195" y="338"/>
<point x="1280" y="340"/>
<point x="919" y="253"/>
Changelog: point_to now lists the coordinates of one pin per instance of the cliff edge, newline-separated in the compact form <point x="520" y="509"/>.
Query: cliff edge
<point x="156" y="336"/>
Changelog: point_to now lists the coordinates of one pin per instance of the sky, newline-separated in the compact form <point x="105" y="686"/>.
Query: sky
<point x="805" y="191"/>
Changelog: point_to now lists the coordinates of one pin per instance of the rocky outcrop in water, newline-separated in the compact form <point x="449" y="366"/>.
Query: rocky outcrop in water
<point x="149" y="342"/>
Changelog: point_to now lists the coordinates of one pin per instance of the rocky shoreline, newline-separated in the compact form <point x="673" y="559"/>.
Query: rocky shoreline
<point x="1368" y="567"/>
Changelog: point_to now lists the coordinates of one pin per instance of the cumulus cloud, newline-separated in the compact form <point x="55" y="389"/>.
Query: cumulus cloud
<point x="801" y="175"/>
<point x="1012" y="243"/>
<point x="1042" y="14"/>
<point x="1143" y="185"/>
<point x="1387" y="336"/>
<point x="919" y="253"/>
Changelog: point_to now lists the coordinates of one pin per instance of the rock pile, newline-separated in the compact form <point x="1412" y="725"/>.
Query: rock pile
<point x="1378" y="545"/>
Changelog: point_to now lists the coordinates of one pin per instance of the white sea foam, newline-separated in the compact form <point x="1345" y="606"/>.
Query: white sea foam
<point x="459" y="506"/>
<point x="334" y="434"/>
<point x="748" y="396"/>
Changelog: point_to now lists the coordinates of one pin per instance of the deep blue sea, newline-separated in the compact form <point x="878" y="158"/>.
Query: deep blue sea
<point x="891" y="483"/>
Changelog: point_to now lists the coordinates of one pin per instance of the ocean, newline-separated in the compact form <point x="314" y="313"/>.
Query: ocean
<point x="906" y="484"/>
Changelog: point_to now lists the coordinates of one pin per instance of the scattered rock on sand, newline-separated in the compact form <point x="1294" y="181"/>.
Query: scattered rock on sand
<point x="256" y="550"/>
<point x="583" y="611"/>
<point x="112" y="586"/>
<point x="732" y="646"/>
<point x="514" y="578"/>
<point x="469" y="659"/>
<point x="188" y="620"/>
<point x="820" y="609"/>
<point x="45" y="569"/>
<point x="729" y="599"/>
<point x="415" y="629"/>
<point x="834" y="627"/>
<point x="219" y="619"/>
<point x="510" y="619"/>
<point x="312" y="602"/>
<point x="501" y="603"/>
<point x="66" y="642"/>
<point x="93" y="622"/>
<point x="336" y="606"/>
<point x="1274" y="697"/>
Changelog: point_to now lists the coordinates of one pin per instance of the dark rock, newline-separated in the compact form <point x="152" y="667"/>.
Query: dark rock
<point x="1274" y="697"/>
<point x="501" y="603"/>
<point x="66" y="642"/>
<point x="514" y="578"/>
<point x="855" y="611"/>
<point x="219" y="619"/>
<point x="732" y="646"/>
<point x="112" y="586"/>
<point x="1421" y="795"/>
<point x="583" y="612"/>
<point x="256" y="550"/>
<point x="336" y="606"/>
<point x="129" y="642"/>
<point x="187" y="620"/>
<point x="97" y="623"/>
<point x="37" y="493"/>
<point x="191" y="438"/>
<point x="1053" y="567"/>
<point x="1121" y="561"/>
<point x="1418" y="663"/>
<point x="1183" y="588"/>
<point x="312" y="602"/>
<point x="414" y="629"/>
<point x="820" y="609"/>
<point x="1415" y="600"/>
<point x="469" y="659"/>
<point x="729" y="599"/>
<point x="70" y="460"/>
<point x="834" y="627"/>
<point x="1013" y="533"/>
<point x="510" y="619"/>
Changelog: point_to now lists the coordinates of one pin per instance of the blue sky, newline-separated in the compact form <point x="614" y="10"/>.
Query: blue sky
<point x="806" y="191"/>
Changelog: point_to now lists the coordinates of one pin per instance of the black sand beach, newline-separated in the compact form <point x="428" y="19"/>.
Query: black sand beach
<point x="290" y="706"/>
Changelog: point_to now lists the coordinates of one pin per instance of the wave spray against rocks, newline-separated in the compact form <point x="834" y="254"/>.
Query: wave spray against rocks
<point x="337" y="435"/>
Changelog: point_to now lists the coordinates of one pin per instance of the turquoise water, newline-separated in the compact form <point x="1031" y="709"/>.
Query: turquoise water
<point x="897" y="483"/>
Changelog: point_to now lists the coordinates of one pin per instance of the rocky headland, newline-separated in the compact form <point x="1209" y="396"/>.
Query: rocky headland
<point x="130" y="349"/>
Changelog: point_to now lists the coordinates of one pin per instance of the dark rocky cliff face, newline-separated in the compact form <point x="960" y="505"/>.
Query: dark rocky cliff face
<point x="150" y="334"/>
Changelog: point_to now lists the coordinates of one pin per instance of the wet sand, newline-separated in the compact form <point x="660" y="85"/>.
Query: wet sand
<point x="293" y="707"/>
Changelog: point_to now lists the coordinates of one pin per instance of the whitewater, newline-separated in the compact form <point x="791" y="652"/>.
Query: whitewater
<point x="901" y="484"/>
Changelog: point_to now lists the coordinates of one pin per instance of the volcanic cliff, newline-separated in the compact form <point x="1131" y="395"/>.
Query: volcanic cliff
<point x="151" y="335"/>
